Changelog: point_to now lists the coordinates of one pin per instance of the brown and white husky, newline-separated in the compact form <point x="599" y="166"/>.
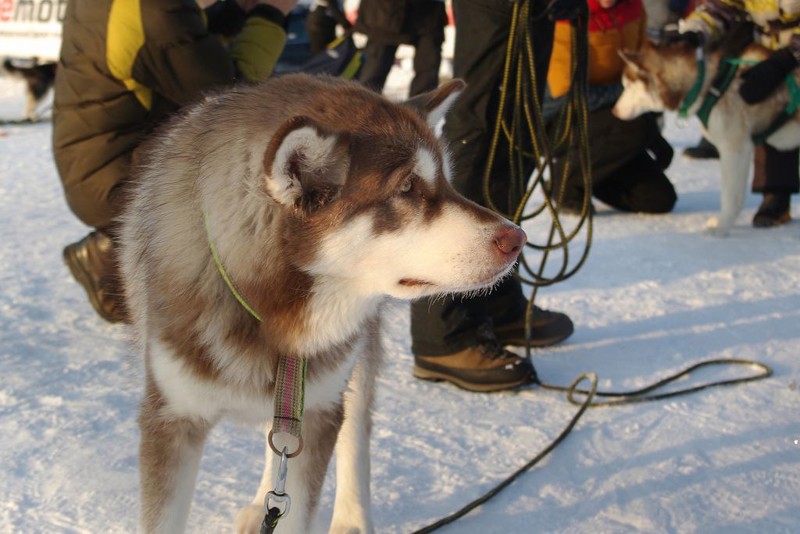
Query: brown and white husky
<point x="321" y="199"/>
<point x="660" y="78"/>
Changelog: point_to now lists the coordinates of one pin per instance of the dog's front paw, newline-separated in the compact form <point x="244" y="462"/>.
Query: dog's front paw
<point x="249" y="519"/>
<point x="713" y="227"/>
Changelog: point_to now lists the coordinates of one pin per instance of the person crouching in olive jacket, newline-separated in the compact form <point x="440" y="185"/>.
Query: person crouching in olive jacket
<point x="121" y="72"/>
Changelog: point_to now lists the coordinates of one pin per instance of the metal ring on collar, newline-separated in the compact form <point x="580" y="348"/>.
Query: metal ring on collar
<point x="278" y="452"/>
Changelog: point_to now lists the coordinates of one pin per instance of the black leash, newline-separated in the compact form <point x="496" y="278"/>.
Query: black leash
<point x="645" y="394"/>
<point x="536" y="459"/>
<point x="627" y="397"/>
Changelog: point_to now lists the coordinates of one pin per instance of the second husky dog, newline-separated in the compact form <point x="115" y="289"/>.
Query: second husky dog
<point x="660" y="78"/>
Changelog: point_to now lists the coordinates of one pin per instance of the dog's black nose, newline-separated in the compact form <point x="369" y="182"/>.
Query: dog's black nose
<point x="510" y="240"/>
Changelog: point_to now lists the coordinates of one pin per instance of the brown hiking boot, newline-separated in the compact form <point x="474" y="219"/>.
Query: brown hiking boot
<point x="548" y="328"/>
<point x="773" y="211"/>
<point x="483" y="367"/>
<point x="93" y="264"/>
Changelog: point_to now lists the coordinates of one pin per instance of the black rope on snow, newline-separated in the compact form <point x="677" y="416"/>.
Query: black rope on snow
<point x="525" y="468"/>
<point x="629" y="397"/>
<point x="638" y="396"/>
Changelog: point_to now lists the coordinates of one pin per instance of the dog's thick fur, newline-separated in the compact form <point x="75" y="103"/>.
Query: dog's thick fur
<point x="322" y="199"/>
<point x="39" y="79"/>
<point x="659" y="78"/>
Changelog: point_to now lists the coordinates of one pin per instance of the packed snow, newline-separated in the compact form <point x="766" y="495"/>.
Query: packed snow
<point x="655" y="296"/>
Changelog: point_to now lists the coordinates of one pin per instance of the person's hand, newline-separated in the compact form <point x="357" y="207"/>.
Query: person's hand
<point x="761" y="81"/>
<point x="670" y="34"/>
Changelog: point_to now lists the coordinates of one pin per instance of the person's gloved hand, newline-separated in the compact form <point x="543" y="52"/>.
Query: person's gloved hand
<point x="761" y="81"/>
<point x="566" y="9"/>
<point x="670" y="34"/>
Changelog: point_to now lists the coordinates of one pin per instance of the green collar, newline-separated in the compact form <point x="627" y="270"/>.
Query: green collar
<point x="224" y="274"/>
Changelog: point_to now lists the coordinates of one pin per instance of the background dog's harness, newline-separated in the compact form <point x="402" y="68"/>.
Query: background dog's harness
<point x="725" y="75"/>
<point x="288" y="404"/>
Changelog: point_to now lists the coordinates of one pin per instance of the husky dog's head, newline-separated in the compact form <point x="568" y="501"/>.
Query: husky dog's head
<point x="369" y="205"/>
<point x="655" y="78"/>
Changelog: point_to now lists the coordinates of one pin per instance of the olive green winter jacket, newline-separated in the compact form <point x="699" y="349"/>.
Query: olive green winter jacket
<point x="124" y="66"/>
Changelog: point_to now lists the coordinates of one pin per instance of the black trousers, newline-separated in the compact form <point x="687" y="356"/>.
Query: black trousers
<point x="776" y="171"/>
<point x="379" y="58"/>
<point x="321" y="29"/>
<point x="624" y="174"/>
<point x="444" y="326"/>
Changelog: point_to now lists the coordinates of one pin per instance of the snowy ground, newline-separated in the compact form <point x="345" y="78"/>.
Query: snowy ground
<point x="655" y="296"/>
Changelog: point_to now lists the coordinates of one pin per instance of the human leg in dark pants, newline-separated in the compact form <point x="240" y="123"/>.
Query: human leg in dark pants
<point x="427" y="60"/>
<point x="378" y="61"/>
<point x="639" y="186"/>
<point x="446" y="326"/>
<point x="776" y="177"/>
<point x="321" y="29"/>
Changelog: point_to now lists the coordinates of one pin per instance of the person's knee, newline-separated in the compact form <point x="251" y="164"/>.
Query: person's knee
<point x="640" y="186"/>
<point x="653" y="194"/>
<point x="661" y="202"/>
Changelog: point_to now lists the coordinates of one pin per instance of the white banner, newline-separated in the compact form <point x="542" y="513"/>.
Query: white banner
<point x="31" y="28"/>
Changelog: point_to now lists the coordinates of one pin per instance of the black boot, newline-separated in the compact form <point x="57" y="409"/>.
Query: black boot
<point x="703" y="150"/>
<point x="773" y="211"/>
<point x="548" y="328"/>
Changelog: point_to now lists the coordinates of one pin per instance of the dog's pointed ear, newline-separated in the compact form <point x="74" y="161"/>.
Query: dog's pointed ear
<point x="305" y="166"/>
<point x="433" y="105"/>
<point x="630" y="59"/>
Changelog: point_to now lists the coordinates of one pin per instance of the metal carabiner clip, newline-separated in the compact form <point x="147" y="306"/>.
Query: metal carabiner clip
<point x="279" y="495"/>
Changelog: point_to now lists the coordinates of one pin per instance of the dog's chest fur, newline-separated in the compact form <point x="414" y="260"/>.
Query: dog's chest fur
<point x="246" y="391"/>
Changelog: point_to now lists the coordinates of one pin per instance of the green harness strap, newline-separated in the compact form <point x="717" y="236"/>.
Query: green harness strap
<point x="725" y="75"/>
